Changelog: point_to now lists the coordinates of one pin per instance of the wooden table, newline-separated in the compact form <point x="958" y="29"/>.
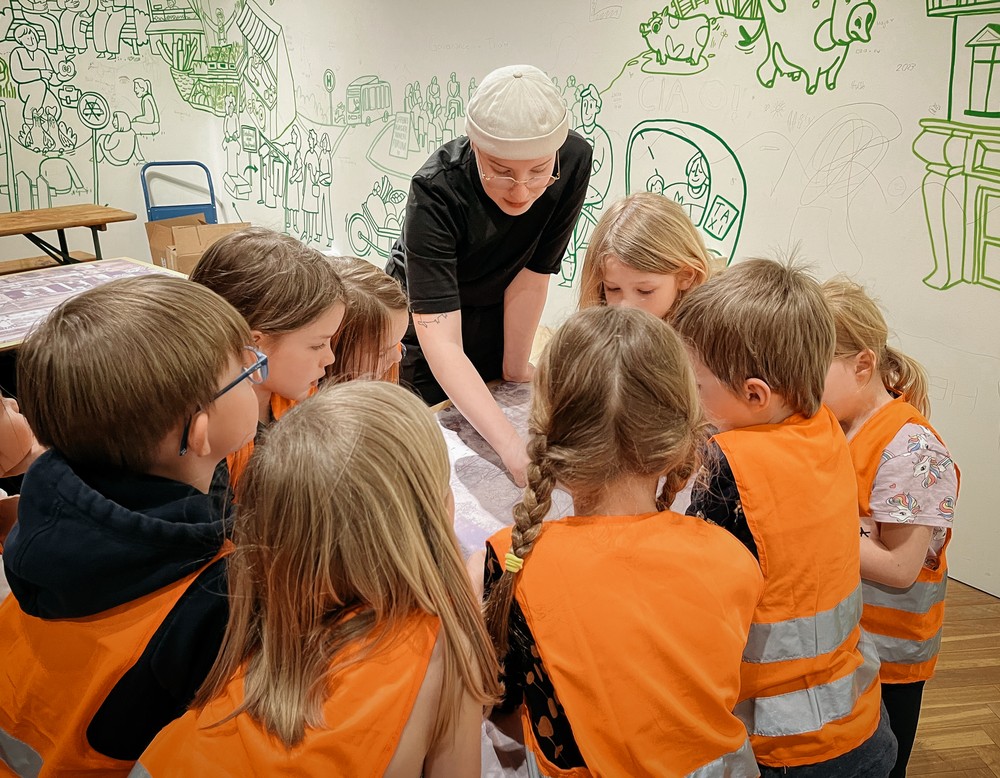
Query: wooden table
<point x="26" y="298"/>
<point x="60" y="219"/>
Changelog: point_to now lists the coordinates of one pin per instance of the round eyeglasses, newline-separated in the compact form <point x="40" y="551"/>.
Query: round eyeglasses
<point x="506" y="183"/>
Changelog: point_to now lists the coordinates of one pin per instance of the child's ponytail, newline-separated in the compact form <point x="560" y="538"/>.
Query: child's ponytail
<point x="904" y="376"/>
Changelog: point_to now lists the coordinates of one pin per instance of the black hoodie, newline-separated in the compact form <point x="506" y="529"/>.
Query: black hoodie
<point x="86" y="542"/>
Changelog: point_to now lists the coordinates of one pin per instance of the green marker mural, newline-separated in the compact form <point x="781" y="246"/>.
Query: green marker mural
<point x="960" y="190"/>
<point x="602" y="169"/>
<point x="696" y="168"/>
<point x="805" y="40"/>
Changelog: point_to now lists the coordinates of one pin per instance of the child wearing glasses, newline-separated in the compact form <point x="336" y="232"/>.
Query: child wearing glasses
<point x="488" y="219"/>
<point x="117" y="608"/>
<point x="368" y="343"/>
<point x="645" y="253"/>
<point x="293" y="300"/>
<point x="362" y="651"/>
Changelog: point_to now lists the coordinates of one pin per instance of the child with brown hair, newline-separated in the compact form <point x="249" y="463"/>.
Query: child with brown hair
<point x="117" y="608"/>
<point x="368" y="343"/>
<point x="780" y="478"/>
<point x="355" y="645"/>
<point x="619" y="639"/>
<point x="907" y="490"/>
<point x="293" y="300"/>
<point x="645" y="253"/>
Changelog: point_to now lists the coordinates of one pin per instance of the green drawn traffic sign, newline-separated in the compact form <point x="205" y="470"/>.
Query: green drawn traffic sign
<point x="94" y="110"/>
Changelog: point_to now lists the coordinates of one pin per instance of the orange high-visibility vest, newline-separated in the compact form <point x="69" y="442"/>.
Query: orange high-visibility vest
<point x="56" y="674"/>
<point x="904" y="623"/>
<point x="239" y="460"/>
<point x="640" y="622"/>
<point x="810" y="676"/>
<point x="365" y="714"/>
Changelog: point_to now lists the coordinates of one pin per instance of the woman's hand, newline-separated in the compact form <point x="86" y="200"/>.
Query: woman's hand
<point x="515" y="458"/>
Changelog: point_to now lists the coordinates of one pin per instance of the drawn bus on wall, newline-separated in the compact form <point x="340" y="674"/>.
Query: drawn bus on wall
<point x="368" y="98"/>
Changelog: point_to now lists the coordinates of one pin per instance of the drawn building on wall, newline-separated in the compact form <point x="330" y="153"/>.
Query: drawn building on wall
<point x="961" y="188"/>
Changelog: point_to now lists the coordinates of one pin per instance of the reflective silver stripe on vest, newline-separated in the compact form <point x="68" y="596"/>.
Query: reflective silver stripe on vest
<point x="906" y="652"/>
<point x="139" y="772"/>
<point x="19" y="757"/>
<point x="809" y="710"/>
<point x="740" y="763"/>
<point x="918" y="598"/>
<point x="808" y="636"/>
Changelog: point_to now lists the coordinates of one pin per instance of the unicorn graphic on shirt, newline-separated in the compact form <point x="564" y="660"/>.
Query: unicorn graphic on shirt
<point x="946" y="508"/>
<point x="930" y="469"/>
<point x="918" y="442"/>
<point x="906" y="507"/>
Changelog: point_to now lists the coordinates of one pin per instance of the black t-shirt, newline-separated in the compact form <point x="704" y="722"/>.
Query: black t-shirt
<point x="459" y="250"/>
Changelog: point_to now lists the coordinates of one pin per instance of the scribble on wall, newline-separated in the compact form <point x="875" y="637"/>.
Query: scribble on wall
<point x="961" y="189"/>
<point x="696" y="168"/>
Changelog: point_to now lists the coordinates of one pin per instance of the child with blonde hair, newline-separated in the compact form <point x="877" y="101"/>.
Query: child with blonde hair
<point x="293" y="300"/>
<point x="117" y="605"/>
<point x="907" y="490"/>
<point x="620" y="641"/>
<point x="780" y="478"/>
<point x="645" y="253"/>
<point x="355" y="645"/>
<point x="368" y="343"/>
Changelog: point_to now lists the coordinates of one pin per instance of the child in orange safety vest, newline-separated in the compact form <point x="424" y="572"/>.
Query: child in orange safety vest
<point x="355" y="645"/>
<point x="907" y="490"/>
<point x="620" y="639"/>
<point x="115" y="566"/>
<point x="780" y="478"/>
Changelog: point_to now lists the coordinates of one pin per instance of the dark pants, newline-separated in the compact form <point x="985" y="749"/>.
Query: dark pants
<point x="872" y="759"/>
<point x="482" y="340"/>
<point x="902" y="700"/>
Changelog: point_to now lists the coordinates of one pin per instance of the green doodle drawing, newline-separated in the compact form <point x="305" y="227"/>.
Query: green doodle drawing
<point x="961" y="192"/>
<point x="677" y="38"/>
<point x="694" y="167"/>
<point x="602" y="170"/>
<point x="378" y="224"/>
<point x="809" y="39"/>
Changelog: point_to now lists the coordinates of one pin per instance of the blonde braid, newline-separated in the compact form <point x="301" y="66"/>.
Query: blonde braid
<point x="528" y="516"/>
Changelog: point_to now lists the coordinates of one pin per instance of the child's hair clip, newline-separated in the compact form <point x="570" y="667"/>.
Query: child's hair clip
<point x="512" y="562"/>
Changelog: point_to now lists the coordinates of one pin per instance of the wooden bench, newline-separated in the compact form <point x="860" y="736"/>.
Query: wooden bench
<point x="8" y="266"/>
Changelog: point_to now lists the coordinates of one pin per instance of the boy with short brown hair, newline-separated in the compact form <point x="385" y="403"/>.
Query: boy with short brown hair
<point x="139" y="387"/>
<point x="761" y="338"/>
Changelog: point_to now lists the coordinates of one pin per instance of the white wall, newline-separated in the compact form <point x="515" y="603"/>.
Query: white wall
<point x="835" y="172"/>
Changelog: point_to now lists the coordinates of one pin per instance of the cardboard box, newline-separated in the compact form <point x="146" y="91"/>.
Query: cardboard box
<point x="179" y="243"/>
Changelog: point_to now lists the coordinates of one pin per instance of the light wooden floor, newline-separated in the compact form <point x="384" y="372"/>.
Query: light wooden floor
<point x="959" y="732"/>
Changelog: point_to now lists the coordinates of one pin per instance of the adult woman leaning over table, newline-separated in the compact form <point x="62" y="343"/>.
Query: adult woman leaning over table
<point x="488" y="219"/>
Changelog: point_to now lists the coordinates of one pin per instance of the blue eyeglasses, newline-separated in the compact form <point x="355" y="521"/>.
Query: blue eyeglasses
<point x="256" y="373"/>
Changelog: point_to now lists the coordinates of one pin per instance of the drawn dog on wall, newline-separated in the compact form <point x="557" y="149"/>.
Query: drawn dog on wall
<point x="812" y="38"/>
<point x="672" y="37"/>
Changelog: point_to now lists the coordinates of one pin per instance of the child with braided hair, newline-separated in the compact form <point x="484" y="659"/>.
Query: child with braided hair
<point x="620" y="641"/>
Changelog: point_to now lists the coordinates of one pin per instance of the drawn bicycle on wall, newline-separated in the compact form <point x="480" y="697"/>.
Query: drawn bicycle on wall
<point x="378" y="224"/>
